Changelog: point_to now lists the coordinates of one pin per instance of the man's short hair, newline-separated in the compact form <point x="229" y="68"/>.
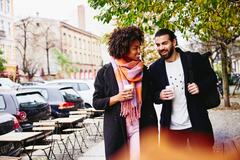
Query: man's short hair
<point x="165" y="31"/>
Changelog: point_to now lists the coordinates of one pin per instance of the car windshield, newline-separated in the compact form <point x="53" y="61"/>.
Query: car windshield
<point x="74" y="85"/>
<point x="69" y="94"/>
<point x="42" y="91"/>
<point x="29" y="100"/>
<point x="2" y="104"/>
<point x="83" y="87"/>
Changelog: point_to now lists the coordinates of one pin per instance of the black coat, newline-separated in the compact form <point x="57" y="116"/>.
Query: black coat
<point x="203" y="77"/>
<point x="115" y="135"/>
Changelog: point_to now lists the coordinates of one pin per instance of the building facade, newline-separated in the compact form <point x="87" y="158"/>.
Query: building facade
<point x="82" y="48"/>
<point x="7" y="44"/>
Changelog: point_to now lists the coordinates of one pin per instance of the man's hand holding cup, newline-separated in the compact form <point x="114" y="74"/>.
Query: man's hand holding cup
<point x="167" y="93"/>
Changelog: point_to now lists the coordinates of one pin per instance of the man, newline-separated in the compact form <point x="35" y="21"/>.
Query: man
<point x="183" y="119"/>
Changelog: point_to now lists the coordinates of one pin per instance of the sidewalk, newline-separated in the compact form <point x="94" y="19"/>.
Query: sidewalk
<point x="225" y="126"/>
<point x="94" y="153"/>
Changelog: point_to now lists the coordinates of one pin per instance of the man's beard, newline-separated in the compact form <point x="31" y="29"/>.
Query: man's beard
<point x="169" y="54"/>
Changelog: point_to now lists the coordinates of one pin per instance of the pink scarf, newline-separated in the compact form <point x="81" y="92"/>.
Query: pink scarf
<point x="129" y="73"/>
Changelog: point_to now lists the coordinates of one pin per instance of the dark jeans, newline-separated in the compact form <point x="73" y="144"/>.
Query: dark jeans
<point x="188" y="139"/>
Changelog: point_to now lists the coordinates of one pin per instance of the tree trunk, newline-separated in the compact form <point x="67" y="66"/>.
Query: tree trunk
<point x="225" y="77"/>
<point x="48" y="67"/>
<point x="25" y="52"/>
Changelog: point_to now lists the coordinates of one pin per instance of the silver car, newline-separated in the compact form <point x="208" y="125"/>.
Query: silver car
<point x="9" y="123"/>
<point x="83" y="87"/>
<point x="6" y="82"/>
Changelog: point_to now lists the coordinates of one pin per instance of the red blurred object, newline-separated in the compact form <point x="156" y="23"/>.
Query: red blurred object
<point x="21" y="115"/>
<point x="4" y="74"/>
<point x="66" y="105"/>
<point x="16" y="124"/>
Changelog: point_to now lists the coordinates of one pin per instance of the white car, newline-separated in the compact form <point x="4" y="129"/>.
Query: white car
<point x="8" y="83"/>
<point x="85" y="88"/>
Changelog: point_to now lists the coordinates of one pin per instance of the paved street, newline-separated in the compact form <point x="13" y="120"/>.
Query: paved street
<point x="94" y="153"/>
<point x="225" y="125"/>
<point x="94" y="150"/>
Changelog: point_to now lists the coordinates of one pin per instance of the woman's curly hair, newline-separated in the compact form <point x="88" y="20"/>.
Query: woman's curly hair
<point x="121" y="39"/>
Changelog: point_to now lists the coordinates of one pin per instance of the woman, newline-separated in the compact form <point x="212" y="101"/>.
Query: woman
<point x="121" y="89"/>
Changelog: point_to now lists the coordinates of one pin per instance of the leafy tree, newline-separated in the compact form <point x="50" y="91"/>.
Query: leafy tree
<point x="148" y="52"/>
<point x="64" y="61"/>
<point x="2" y="62"/>
<point x="215" y="21"/>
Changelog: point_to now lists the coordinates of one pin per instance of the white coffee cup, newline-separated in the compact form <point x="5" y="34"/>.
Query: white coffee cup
<point x="171" y="88"/>
<point x="128" y="87"/>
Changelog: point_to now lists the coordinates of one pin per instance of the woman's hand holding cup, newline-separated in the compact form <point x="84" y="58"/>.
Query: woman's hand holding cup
<point x="127" y="92"/>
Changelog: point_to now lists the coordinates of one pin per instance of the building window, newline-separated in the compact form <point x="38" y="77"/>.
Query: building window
<point x="69" y="40"/>
<point x="81" y="74"/>
<point x="75" y="42"/>
<point x="94" y="46"/>
<point x="1" y="5"/>
<point x="9" y="28"/>
<point x="70" y="55"/>
<point x="86" y="74"/>
<point x="80" y="43"/>
<point x="76" y="57"/>
<point x="64" y="39"/>
<point x="7" y="6"/>
<point x="2" y="25"/>
<point x="90" y="74"/>
<point x="89" y="45"/>
<point x="84" y="44"/>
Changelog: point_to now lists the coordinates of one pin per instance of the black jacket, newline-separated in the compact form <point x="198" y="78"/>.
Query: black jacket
<point x="115" y="136"/>
<point x="203" y="77"/>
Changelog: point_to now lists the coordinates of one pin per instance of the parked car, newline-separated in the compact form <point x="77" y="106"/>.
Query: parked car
<point x="35" y="107"/>
<point x="9" y="83"/>
<point x="31" y="83"/>
<point x="62" y="99"/>
<point x="85" y="88"/>
<point x="26" y="106"/>
<point x="9" y="104"/>
<point x="9" y="123"/>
